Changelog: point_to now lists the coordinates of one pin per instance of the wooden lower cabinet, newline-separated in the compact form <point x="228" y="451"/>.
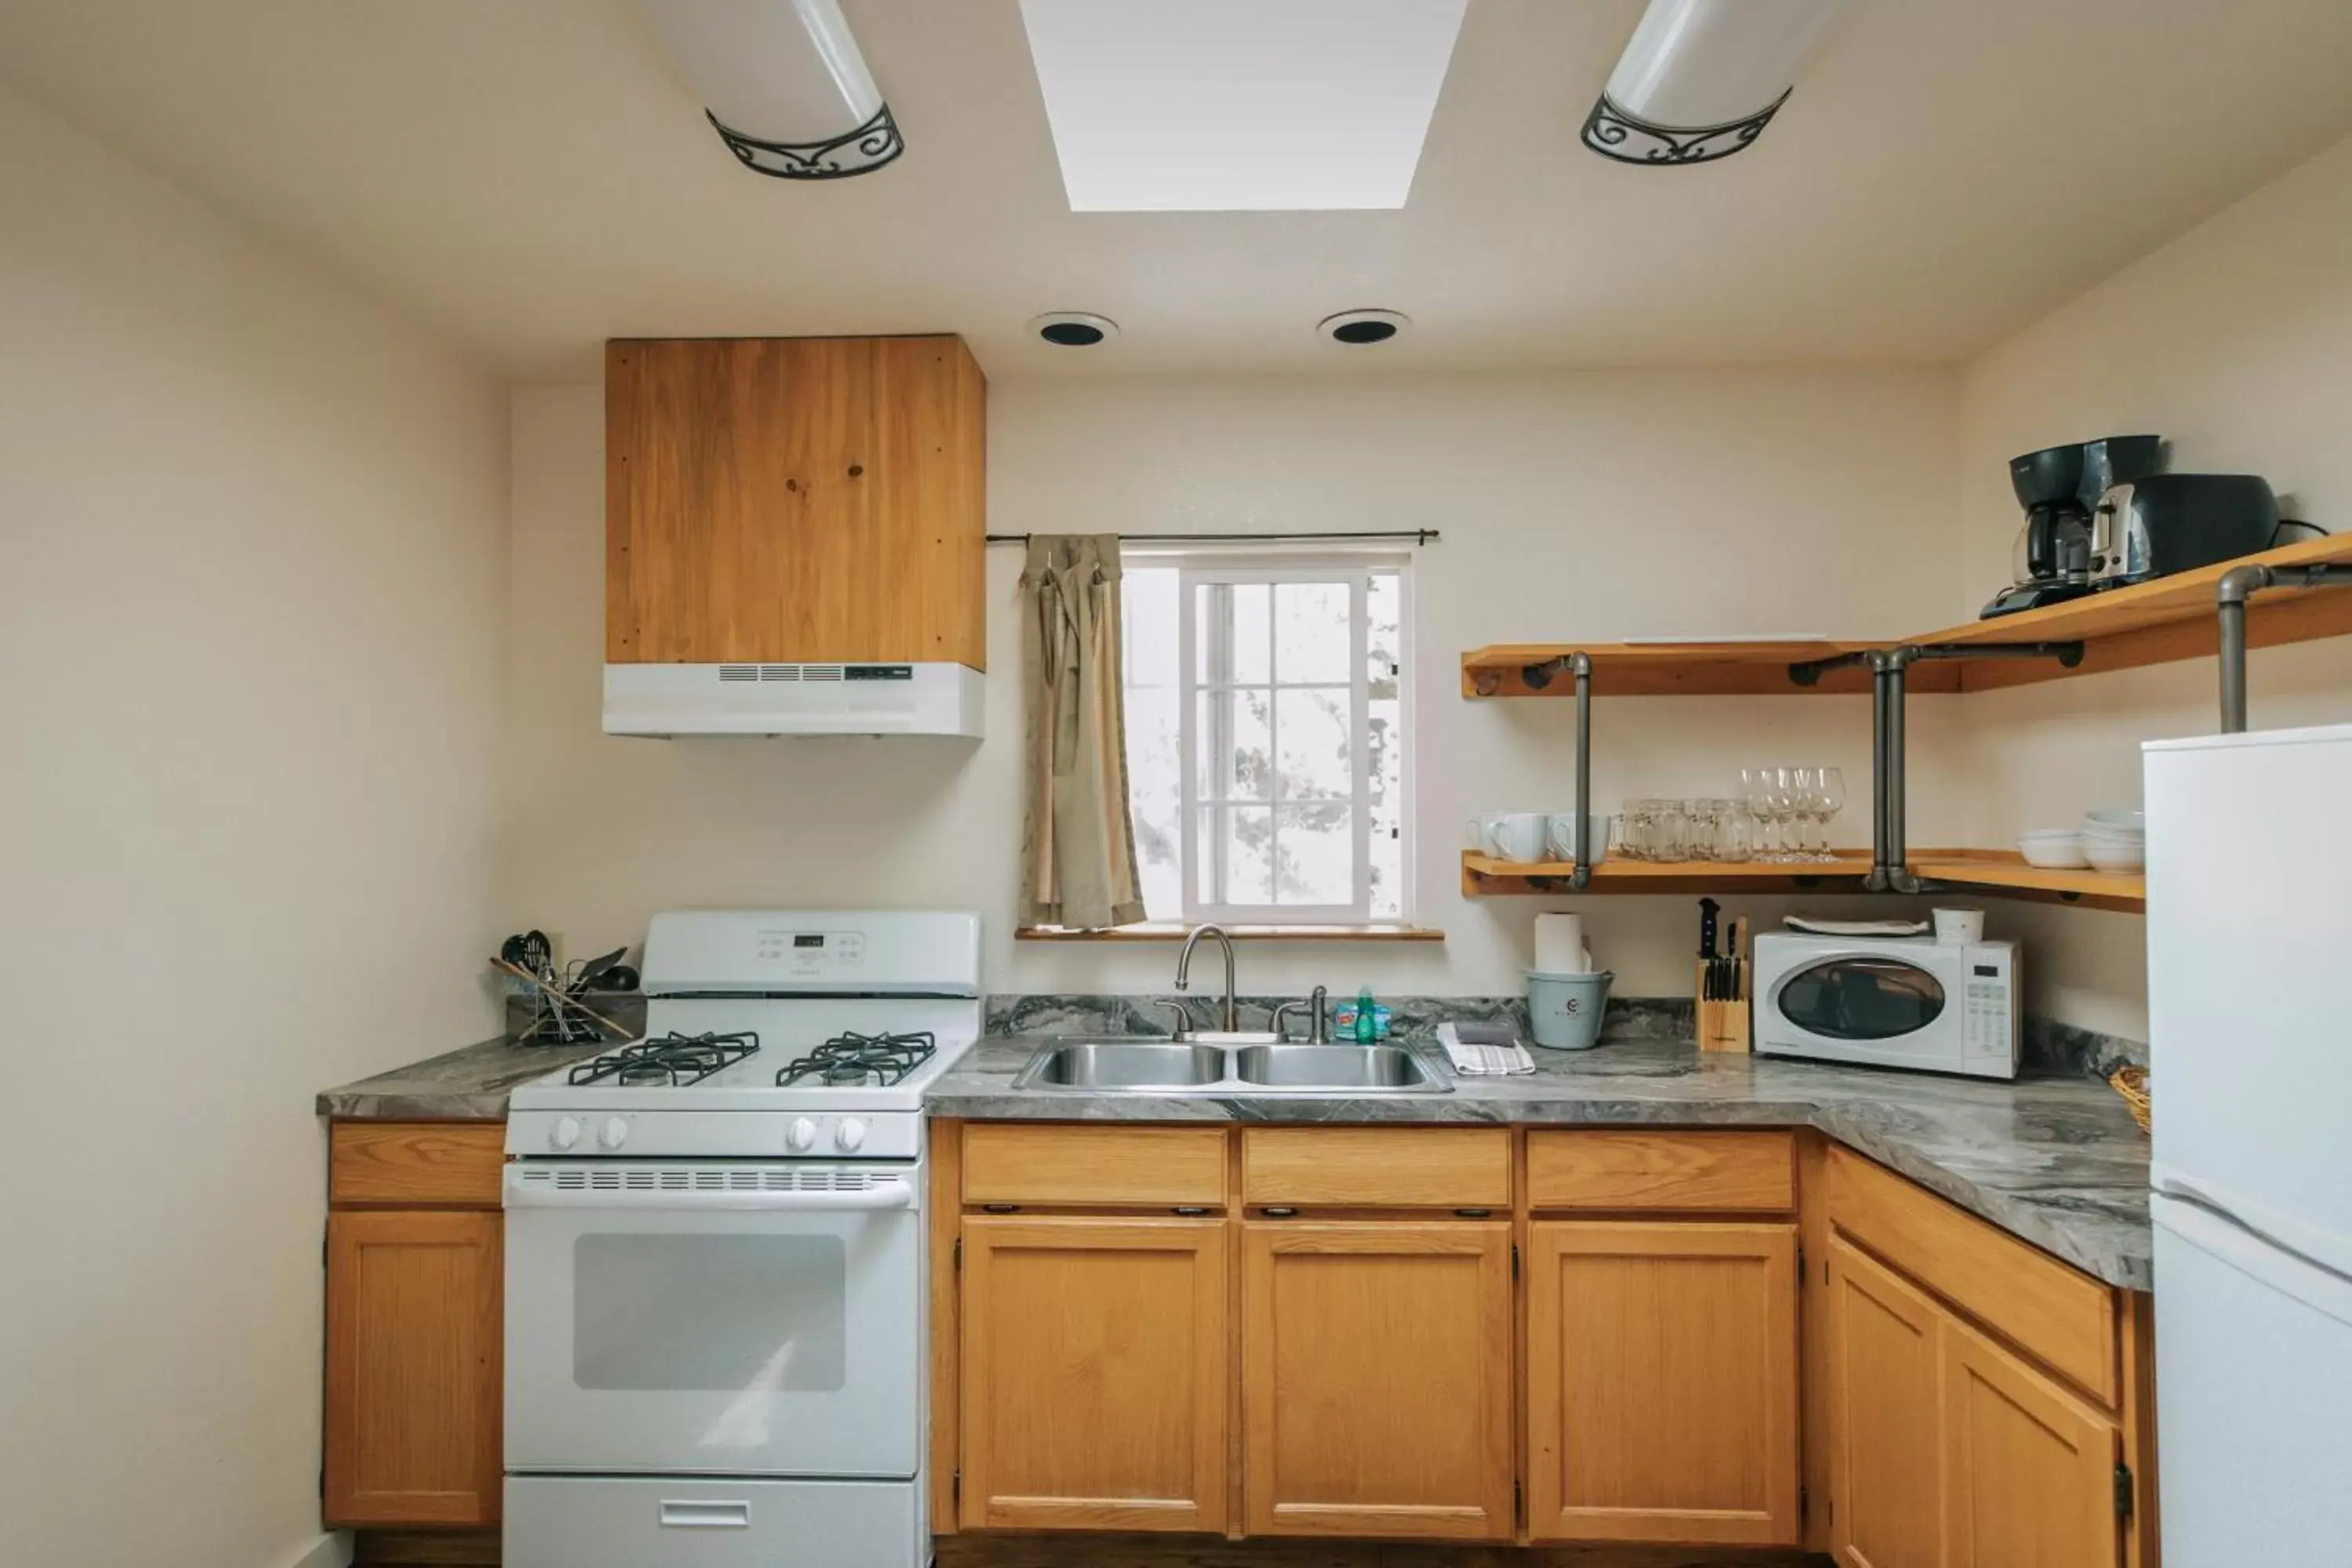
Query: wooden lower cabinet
<point x="414" y="1341"/>
<point x="1884" y="1453"/>
<point x="2029" y="1468"/>
<point x="1096" y="1377"/>
<point x="1662" y="1382"/>
<point x="1376" y="1378"/>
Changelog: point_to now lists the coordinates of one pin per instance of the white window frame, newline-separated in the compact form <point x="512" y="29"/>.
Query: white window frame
<point x="1196" y="569"/>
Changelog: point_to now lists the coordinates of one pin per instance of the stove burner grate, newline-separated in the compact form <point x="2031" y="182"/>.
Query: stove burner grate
<point x="847" y="1060"/>
<point x="672" y="1059"/>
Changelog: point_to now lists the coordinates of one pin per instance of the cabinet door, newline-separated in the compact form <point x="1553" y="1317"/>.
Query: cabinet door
<point x="413" y="1367"/>
<point x="1377" y="1378"/>
<point x="793" y="499"/>
<point x="1095" y="1373"/>
<point x="1662" y="1367"/>
<point x="1883" y="1456"/>
<point x="2029" y="1470"/>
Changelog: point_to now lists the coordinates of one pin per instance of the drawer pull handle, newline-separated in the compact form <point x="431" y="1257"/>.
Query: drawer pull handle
<point x="706" y="1515"/>
<point x="1281" y="1214"/>
<point x="1190" y="1211"/>
<point x="1474" y="1214"/>
<point x="999" y="1208"/>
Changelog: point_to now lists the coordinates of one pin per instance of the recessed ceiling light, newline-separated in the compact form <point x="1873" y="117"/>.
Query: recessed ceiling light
<point x="1239" y="105"/>
<point x="1073" y="329"/>
<point x="1358" y="328"/>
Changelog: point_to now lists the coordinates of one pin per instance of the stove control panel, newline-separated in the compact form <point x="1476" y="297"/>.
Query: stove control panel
<point x="809" y="955"/>
<point x="707" y="1134"/>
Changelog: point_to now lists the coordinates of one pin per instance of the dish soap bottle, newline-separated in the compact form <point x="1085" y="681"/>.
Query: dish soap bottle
<point x="1367" y="1023"/>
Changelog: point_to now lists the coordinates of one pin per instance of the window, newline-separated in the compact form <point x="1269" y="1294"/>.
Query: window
<point x="1266" y="737"/>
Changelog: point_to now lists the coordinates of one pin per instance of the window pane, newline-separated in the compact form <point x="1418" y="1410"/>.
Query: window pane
<point x="1312" y="750"/>
<point x="1153" y="771"/>
<point x="1252" y="648"/>
<point x="1383" y="633"/>
<point x="1237" y="744"/>
<point x="1317" y="855"/>
<point x="1387" y="764"/>
<point x="1244" y="834"/>
<point x="1148" y="616"/>
<point x="1310" y="632"/>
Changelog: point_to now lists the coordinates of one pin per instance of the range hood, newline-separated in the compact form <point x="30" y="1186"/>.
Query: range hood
<point x="776" y="700"/>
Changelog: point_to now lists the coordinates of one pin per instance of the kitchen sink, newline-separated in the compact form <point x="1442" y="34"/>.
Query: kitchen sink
<point x="1180" y="1068"/>
<point x="1122" y="1063"/>
<point x="1331" y="1067"/>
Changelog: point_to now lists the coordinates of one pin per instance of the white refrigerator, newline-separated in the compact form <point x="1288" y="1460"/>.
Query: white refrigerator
<point x="2249" y="1018"/>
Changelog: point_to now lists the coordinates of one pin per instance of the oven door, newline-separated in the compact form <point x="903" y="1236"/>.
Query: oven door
<point x="1890" y="1008"/>
<point x="754" y="1319"/>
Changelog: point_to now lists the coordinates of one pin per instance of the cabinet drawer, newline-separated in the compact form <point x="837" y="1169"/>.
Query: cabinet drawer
<point x="1378" y="1167"/>
<point x="1646" y="1170"/>
<point x="1093" y="1167"/>
<point x="2055" y="1312"/>
<point x="416" y="1163"/>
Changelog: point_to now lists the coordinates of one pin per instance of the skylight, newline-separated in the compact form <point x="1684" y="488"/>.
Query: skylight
<point x="1239" y="105"/>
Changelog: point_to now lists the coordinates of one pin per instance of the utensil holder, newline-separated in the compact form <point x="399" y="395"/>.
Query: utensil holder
<point x="1723" y="1026"/>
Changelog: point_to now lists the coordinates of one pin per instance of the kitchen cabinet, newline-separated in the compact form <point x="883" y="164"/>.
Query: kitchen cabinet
<point x="794" y="500"/>
<point x="413" y="1330"/>
<point x="1096" y="1378"/>
<point x="1885" y="1454"/>
<point x="1376" y="1377"/>
<point x="1662" y="1382"/>
<point x="2028" y="1468"/>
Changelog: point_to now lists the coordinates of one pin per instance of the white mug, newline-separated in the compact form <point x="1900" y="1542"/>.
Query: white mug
<point x="1564" y="836"/>
<point x="1518" y="836"/>
<point x="1958" y="928"/>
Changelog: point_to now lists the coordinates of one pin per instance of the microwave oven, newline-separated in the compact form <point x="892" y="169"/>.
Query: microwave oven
<point x="1897" y="1001"/>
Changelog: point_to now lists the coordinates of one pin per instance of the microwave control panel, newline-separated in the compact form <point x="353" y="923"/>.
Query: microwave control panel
<point x="1990" y="988"/>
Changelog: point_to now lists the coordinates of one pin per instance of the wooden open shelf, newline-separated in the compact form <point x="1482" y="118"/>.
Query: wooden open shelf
<point x="2160" y="622"/>
<point x="1999" y="873"/>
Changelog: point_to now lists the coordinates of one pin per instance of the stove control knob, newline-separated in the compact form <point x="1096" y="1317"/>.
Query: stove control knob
<point x="801" y="1136"/>
<point x="565" y="1133"/>
<point x="850" y="1134"/>
<point x="614" y="1133"/>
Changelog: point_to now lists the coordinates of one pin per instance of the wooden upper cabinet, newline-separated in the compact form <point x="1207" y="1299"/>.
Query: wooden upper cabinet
<point x="413" y="1342"/>
<point x="1662" y="1382"/>
<point x="2029" y="1472"/>
<point x="1883" y="1351"/>
<point x="795" y="500"/>
<point x="1376" y="1378"/>
<point x="1096" y="1377"/>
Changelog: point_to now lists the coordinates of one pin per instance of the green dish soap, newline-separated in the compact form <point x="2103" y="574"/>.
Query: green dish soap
<point x="1367" y="1023"/>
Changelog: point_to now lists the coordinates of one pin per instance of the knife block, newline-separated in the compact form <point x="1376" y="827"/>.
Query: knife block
<point x="1723" y="1026"/>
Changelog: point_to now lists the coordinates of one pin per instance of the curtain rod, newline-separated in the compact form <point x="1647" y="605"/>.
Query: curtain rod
<point x="1419" y="536"/>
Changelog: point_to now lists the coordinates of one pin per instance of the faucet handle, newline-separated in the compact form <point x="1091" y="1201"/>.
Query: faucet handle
<point x="1183" y="1030"/>
<point x="1283" y="1011"/>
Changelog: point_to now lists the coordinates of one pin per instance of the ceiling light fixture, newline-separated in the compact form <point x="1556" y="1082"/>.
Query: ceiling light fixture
<point x="1073" y="329"/>
<point x="783" y="84"/>
<point x="1701" y="78"/>
<point x="1357" y="329"/>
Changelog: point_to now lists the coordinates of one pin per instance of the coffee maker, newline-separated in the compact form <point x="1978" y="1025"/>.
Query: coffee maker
<point x="2060" y="487"/>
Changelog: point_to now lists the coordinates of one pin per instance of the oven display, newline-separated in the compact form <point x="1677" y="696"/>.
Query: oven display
<point x="806" y="939"/>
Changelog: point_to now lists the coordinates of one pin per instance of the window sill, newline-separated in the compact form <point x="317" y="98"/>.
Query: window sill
<point x="1162" y="931"/>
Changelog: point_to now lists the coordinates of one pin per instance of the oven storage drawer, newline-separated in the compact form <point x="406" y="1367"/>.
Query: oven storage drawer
<point x="595" y="1522"/>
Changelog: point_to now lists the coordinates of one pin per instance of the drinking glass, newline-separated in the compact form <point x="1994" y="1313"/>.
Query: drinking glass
<point x="1734" y="840"/>
<point x="1828" y="802"/>
<point x="1699" y="841"/>
<point x="1803" y="786"/>
<point x="1756" y="787"/>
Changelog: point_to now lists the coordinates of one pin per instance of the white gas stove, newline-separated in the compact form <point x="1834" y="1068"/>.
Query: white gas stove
<point x="715" y="1251"/>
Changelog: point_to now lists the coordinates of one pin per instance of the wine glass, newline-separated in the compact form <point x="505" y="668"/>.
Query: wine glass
<point x="1756" y="786"/>
<point x="1781" y="795"/>
<point x="1828" y="802"/>
<point x="1804" y="784"/>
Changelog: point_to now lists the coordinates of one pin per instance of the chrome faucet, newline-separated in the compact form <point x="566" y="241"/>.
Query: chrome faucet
<point x="1184" y="964"/>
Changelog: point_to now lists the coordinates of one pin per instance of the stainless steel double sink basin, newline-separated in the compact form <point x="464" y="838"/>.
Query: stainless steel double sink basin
<point x="1189" y="1068"/>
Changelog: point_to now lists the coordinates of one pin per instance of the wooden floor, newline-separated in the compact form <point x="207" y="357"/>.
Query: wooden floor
<point x="475" y="1549"/>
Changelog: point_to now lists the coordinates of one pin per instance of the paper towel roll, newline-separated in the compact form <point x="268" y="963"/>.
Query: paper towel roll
<point x="1559" y="945"/>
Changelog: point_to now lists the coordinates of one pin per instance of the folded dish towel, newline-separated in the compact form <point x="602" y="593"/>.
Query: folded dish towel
<point x="1484" y="1051"/>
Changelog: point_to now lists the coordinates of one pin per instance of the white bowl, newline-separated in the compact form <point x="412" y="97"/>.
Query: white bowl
<point x="2053" y="851"/>
<point x="2117" y="821"/>
<point x="2114" y="862"/>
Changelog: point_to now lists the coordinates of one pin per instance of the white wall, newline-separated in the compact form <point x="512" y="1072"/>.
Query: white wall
<point x="250" y="535"/>
<point x="1587" y="505"/>
<point x="2235" y="340"/>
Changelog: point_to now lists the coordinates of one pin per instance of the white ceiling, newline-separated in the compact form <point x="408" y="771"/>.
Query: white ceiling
<point x="531" y="177"/>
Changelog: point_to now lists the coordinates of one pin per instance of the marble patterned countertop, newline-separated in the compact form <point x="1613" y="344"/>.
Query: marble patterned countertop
<point x="2055" y="1161"/>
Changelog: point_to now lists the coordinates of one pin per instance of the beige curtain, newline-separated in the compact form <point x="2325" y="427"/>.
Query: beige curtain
<point x="1078" y="843"/>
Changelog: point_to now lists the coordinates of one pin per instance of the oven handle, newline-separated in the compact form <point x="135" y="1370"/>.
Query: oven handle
<point x="890" y="1193"/>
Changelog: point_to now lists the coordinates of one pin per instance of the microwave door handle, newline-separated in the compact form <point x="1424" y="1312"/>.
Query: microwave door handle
<point x="890" y="1193"/>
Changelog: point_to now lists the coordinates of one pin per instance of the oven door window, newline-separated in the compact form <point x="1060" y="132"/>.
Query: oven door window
<point x="720" y="1314"/>
<point x="1862" y="999"/>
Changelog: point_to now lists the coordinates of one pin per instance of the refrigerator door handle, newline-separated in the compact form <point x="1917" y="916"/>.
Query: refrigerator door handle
<point x="2282" y="1268"/>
